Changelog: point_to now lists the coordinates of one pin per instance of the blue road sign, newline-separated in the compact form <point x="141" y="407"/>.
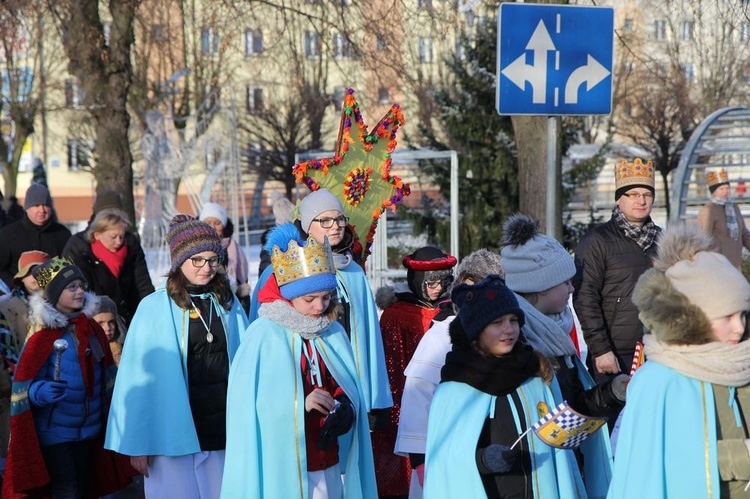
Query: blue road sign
<point x="554" y="59"/>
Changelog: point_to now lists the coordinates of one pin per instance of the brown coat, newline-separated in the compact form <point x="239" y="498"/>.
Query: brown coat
<point x="713" y="221"/>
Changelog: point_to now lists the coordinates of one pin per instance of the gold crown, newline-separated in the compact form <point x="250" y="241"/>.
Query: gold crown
<point x="46" y="272"/>
<point x="720" y="177"/>
<point x="635" y="173"/>
<point x="298" y="262"/>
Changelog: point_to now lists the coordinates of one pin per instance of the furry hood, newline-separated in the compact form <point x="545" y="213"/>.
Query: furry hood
<point x="386" y="296"/>
<point x="42" y="313"/>
<point x="665" y="312"/>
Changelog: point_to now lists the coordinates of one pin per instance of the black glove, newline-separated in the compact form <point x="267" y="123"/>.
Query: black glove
<point x="498" y="458"/>
<point x="338" y="422"/>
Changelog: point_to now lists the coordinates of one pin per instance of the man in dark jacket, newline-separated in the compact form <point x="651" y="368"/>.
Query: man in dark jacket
<point x="609" y="260"/>
<point x="35" y="231"/>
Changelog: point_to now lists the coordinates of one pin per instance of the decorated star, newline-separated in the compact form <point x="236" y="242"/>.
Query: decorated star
<point x="359" y="173"/>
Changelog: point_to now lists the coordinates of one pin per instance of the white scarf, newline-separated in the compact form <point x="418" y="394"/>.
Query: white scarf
<point x="720" y="363"/>
<point x="548" y="334"/>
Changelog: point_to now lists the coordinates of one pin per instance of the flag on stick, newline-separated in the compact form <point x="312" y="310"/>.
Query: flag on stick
<point x="565" y="428"/>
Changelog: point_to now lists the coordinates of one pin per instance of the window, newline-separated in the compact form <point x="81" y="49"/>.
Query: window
<point x="342" y="47"/>
<point x="74" y="94"/>
<point x="255" y="103"/>
<point x="312" y="45"/>
<point x="384" y="96"/>
<point x="627" y="25"/>
<point x="253" y="41"/>
<point x="687" y="30"/>
<point x="79" y="155"/>
<point x="660" y="29"/>
<point x="158" y="33"/>
<point x="338" y="96"/>
<point x="210" y="41"/>
<point x="688" y="71"/>
<point x="425" y="49"/>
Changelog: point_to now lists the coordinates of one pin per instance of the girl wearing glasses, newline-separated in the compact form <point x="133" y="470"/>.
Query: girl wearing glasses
<point x="61" y="395"/>
<point x="169" y="405"/>
<point x="321" y="216"/>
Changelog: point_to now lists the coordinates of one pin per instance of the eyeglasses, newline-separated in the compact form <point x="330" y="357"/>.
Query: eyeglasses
<point x="327" y="223"/>
<point x="433" y="284"/>
<point x="199" y="262"/>
<point x="637" y="195"/>
<point x="73" y="287"/>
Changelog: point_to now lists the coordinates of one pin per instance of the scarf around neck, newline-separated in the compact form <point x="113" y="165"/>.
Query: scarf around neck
<point x="644" y="235"/>
<point x="492" y="375"/>
<point x="548" y="334"/>
<point x="715" y="362"/>
<point x="285" y="315"/>
<point x="113" y="261"/>
<point x="733" y="226"/>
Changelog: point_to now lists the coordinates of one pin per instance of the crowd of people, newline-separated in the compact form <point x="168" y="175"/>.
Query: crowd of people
<point x="313" y="386"/>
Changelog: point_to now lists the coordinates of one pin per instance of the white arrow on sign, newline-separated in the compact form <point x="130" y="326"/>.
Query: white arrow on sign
<point x="592" y="73"/>
<point x="519" y="72"/>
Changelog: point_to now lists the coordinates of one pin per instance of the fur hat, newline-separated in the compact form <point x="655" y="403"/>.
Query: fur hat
<point x="37" y="195"/>
<point x="282" y="209"/>
<point x="53" y="275"/>
<point x="689" y="286"/>
<point x="631" y="175"/>
<point x="428" y="264"/>
<point x="481" y="303"/>
<point x="532" y="261"/>
<point x="300" y="267"/>
<point x="213" y="210"/>
<point x="314" y="204"/>
<point x="187" y="237"/>
<point x="478" y="265"/>
<point x="27" y="261"/>
<point x="107" y="199"/>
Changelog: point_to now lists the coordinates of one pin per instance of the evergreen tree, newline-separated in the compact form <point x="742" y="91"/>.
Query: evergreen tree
<point x="470" y="125"/>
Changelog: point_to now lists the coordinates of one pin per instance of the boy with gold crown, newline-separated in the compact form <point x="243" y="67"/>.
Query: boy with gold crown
<point x="61" y="394"/>
<point x="294" y="389"/>
<point x="609" y="259"/>
<point x="721" y="219"/>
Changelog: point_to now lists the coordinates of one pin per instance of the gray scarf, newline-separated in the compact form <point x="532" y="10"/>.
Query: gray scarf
<point x="286" y="316"/>
<point x="548" y="334"/>
<point x="733" y="226"/>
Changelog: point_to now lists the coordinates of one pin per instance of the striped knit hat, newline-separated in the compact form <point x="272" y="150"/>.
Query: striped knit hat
<point x="187" y="237"/>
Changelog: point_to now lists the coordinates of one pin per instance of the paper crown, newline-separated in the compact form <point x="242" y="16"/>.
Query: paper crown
<point x="299" y="262"/>
<point x="635" y="173"/>
<point x="716" y="178"/>
<point x="46" y="272"/>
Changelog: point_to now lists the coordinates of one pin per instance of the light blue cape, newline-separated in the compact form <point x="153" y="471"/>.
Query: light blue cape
<point x="150" y="413"/>
<point x="265" y="455"/>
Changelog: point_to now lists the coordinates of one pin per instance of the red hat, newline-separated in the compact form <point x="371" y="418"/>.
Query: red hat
<point x="27" y="261"/>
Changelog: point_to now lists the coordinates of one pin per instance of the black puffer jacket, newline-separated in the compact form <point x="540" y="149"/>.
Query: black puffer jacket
<point x="598" y="400"/>
<point x="133" y="284"/>
<point x="24" y="235"/>
<point x="608" y="264"/>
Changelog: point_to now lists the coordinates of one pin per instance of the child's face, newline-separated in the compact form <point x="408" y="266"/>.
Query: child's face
<point x="554" y="300"/>
<point x="312" y="305"/>
<point x="107" y="321"/>
<point x="729" y="329"/>
<point x="71" y="298"/>
<point x="500" y="336"/>
<point x="30" y="283"/>
<point x="200" y="268"/>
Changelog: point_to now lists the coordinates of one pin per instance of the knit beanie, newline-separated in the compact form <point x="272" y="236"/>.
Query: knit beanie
<point x="481" y="303"/>
<point x="300" y="267"/>
<point x="187" y="237"/>
<point x="533" y="262"/>
<point x="37" y="195"/>
<point x="479" y="265"/>
<point x="107" y="199"/>
<point x="428" y="264"/>
<point x="53" y="275"/>
<point x="104" y="305"/>
<point x="213" y="210"/>
<point x="314" y="204"/>
<point x="27" y="261"/>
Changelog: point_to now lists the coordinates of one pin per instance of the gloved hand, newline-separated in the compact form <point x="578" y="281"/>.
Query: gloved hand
<point x="499" y="458"/>
<point x="48" y="392"/>
<point x="338" y="422"/>
<point x="619" y="385"/>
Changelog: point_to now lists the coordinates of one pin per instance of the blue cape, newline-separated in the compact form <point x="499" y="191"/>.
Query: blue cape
<point x="150" y="413"/>
<point x="457" y="415"/>
<point x="265" y="455"/>
<point x="667" y="441"/>
<point x="366" y="340"/>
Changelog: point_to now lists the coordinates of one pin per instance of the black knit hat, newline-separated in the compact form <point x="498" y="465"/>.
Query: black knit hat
<point x="483" y="302"/>
<point x="428" y="264"/>
<point x="53" y="275"/>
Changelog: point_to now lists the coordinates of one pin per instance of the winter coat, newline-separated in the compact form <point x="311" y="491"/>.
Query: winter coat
<point x="24" y="235"/>
<point x="127" y="290"/>
<point x="608" y="264"/>
<point x="713" y="220"/>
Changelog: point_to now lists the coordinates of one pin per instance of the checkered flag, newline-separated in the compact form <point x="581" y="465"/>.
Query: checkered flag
<point x="565" y="428"/>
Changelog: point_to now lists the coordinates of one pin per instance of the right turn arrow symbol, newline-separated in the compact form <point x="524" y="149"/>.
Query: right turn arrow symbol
<point x="592" y="74"/>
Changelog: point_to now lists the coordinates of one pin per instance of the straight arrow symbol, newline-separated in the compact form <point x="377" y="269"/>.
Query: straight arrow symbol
<point x="518" y="72"/>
